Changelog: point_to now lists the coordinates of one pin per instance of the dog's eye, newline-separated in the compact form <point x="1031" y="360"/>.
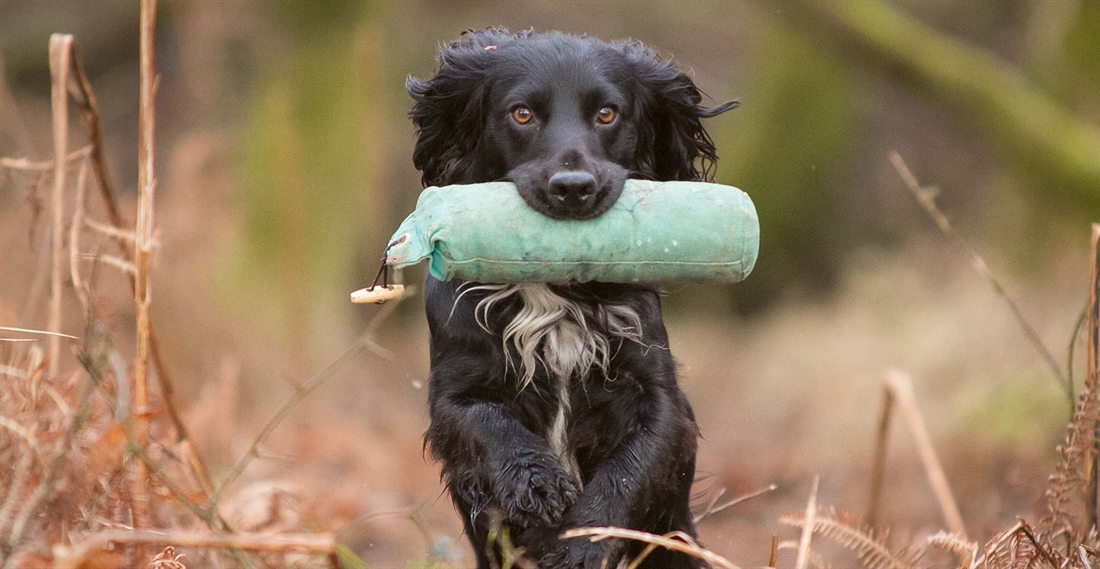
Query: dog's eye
<point x="606" y="115"/>
<point x="522" y="115"/>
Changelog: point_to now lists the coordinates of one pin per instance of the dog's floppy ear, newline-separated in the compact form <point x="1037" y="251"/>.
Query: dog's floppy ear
<point x="672" y="143"/>
<point x="449" y="112"/>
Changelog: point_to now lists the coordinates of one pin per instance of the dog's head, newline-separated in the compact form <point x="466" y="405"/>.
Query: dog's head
<point x="567" y="119"/>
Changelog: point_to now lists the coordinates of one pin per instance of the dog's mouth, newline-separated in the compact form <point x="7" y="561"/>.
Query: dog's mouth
<point x="571" y="194"/>
<point x="570" y="207"/>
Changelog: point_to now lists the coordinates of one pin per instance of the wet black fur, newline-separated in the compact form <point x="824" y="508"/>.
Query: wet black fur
<point x="634" y="433"/>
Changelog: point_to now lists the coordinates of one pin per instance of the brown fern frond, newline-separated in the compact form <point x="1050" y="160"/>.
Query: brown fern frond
<point x="815" y="559"/>
<point x="1006" y="551"/>
<point x="871" y="549"/>
<point x="1087" y="556"/>
<point x="1067" y="483"/>
<point x="1021" y="547"/>
<point x="1042" y="547"/>
<point x="960" y="546"/>
<point x="168" y="559"/>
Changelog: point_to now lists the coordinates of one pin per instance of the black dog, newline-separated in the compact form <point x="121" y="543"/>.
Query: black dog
<point x="556" y="406"/>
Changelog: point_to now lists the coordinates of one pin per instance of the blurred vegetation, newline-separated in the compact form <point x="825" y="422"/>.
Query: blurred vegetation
<point x="1002" y="96"/>
<point x="792" y="153"/>
<point x="1035" y="130"/>
<point x="306" y="151"/>
<point x="285" y="160"/>
<point x="1012" y="415"/>
<point x="312" y="145"/>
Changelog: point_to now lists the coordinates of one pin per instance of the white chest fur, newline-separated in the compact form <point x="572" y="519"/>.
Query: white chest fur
<point x="556" y="333"/>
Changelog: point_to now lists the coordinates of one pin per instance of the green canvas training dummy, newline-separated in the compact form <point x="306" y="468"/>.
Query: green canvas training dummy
<point x="657" y="232"/>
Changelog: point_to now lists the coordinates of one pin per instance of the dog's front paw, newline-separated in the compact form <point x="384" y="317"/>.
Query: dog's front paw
<point x="535" y="490"/>
<point x="579" y="553"/>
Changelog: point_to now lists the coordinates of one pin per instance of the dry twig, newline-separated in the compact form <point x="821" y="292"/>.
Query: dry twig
<point x="815" y="560"/>
<point x="139" y="496"/>
<point x="65" y="62"/>
<point x="878" y="461"/>
<point x="25" y="164"/>
<point x="1091" y="365"/>
<point x="713" y="507"/>
<point x="902" y="387"/>
<point x="314" y="544"/>
<point x="74" y="236"/>
<point x="139" y="450"/>
<point x="807" y="528"/>
<point x="675" y="541"/>
<point x="925" y="197"/>
<point x="112" y="231"/>
<point x="81" y="91"/>
<point x="60" y="53"/>
<point x="42" y="332"/>
<point x="124" y="267"/>
<point x="365" y="342"/>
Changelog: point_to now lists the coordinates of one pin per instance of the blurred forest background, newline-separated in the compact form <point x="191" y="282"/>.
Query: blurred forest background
<point x="284" y="161"/>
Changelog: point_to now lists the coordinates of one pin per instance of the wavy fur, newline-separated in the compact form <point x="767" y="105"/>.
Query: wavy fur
<point x="548" y="405"/>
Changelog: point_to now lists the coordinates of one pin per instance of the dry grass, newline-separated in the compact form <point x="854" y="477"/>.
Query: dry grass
<point x="675" y="541"/>
<point x="100" y="465"/>
<point x="91" y="465"/>
<point x="901" y="387"/>
<point x="1061" y="540"/>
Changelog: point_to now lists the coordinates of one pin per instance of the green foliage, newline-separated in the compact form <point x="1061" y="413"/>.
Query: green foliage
<point x="308" y="18"/>
<point x="791" y="153"/>
<point x="348" y="558"/>
<point x="304" y="171"/>
<point x="1010" y="416"/>
<point x="1028" y="127"/>
<point x="1082" y="49"/>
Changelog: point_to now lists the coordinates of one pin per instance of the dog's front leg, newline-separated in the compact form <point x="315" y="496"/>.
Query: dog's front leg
<point x="491" y="460"/>
<point x="643" y="484"/>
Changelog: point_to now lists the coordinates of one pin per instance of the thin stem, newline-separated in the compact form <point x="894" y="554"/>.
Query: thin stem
<point x="675" y="541"/>
<point x="925" y="199"/>
<point x="878" y="461"/>
<point x="1091" y="364"/>
<point x="60" y="52"/>
<point x="142" y="251"/>
<point x="43" y="165"/>
<point x="902" y="387"/>
<point x="81" y="90"/>
<point x="808" y="529"/>
<point x="364" y="343"/>
<point x="714" y="507"/>
<point x="1077" y="327"/>
<point x="74" y="236"/>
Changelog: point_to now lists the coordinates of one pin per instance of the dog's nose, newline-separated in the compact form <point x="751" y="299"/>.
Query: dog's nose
<point x="572" y="186"/>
